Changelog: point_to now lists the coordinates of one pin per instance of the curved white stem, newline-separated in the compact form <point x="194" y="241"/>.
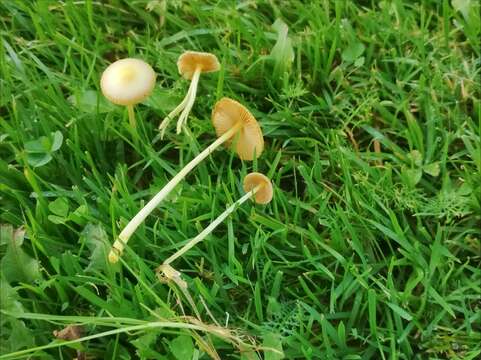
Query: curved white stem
<point x="204" y="233"/>
<point x="191" y="98"/>
<point x="185" y="105"/>
<point x="119" y="244"/>
<point x="163" y="125"/>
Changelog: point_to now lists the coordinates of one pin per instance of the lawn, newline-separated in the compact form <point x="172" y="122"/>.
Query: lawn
<point x="371" y="246"/>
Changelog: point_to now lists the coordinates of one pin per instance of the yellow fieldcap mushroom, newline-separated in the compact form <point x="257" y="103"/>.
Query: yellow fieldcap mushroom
<point x="128" y="82"/>
<point x="257" y="186"/>
<point x="190" y="65"/>
<point x="249" y="141"/>
<point x="231" y="120"/>
<point x="262" y="184"/>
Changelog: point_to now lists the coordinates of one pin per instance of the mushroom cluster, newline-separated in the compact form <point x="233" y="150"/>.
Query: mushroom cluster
<point x="231" y="121"/>
<point x="130" y="81"/>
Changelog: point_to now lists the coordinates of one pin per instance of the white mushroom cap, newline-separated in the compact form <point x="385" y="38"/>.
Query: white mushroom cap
<point x="127" y="81"/>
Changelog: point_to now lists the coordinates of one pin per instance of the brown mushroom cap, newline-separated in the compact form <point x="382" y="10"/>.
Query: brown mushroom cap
<point x="190" y="60"/>
<point x="264" y="194"/>
<point x="249" y="139"/>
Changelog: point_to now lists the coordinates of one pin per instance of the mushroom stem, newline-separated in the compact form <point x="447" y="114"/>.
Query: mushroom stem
<point x="124" y="236"/>
<point x="163" y="125"/>
<point x="191" y="94"/>
<point x="185" y="105"/>
<point x="204" y="233"/>
<point x="130" y="110"/>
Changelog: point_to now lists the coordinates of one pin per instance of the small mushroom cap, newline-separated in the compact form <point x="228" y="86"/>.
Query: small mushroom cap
<point x="127" y="81"/>
<point x="249" y="139"/>
<point x="190" y="60"/>
<point x="264" y="194"/>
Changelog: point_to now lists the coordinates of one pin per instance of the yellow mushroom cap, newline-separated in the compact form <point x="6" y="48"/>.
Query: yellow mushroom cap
<point x="264" y="194"/>
<point x="190" y="60"/>
<point x="127" y="81"/>
<point x="226" y="114"/>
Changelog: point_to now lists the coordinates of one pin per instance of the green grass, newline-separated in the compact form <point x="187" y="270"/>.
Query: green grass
<point x="371" y="116"/>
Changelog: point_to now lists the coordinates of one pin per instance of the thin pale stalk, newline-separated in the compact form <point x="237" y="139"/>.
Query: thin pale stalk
<point x="119" y="244"/>
<point x="204" y="233"/>
<point x="163" y="125"/>
<point x="190" y="102"/>
<point x="132" y="121"/>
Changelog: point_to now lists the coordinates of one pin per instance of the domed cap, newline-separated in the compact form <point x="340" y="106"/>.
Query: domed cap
<point x="190" y="60"/>
<point x="226" y="114"/>
<point x="127" y="81"/>
<point x="264" y="194"/>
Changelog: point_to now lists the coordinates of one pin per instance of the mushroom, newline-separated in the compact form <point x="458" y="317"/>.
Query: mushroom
<point x="231" y="120"/>
<point x="257" y="186"/>
<point x="190" y="65"/>
<point x="128" y="82"/>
